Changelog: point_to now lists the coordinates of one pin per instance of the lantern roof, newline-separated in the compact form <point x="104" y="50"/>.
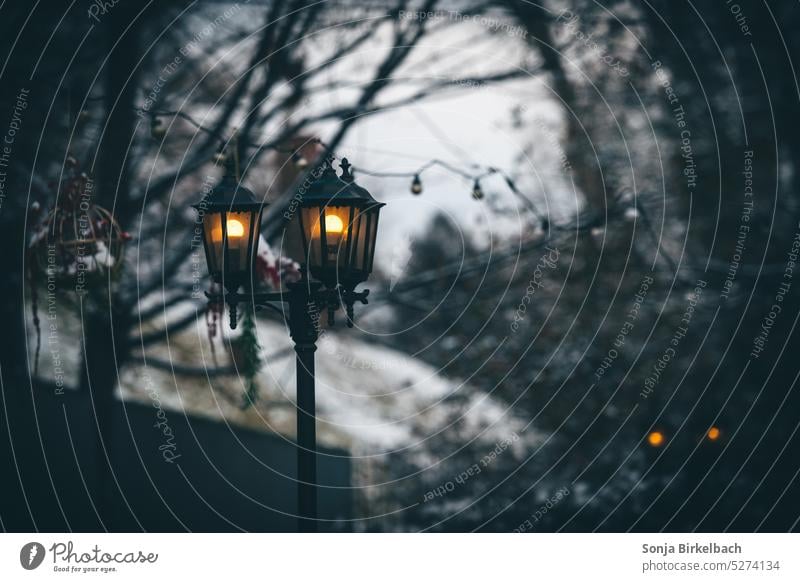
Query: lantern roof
<point x="328" y="189"/>
<point x="229" y="194"/>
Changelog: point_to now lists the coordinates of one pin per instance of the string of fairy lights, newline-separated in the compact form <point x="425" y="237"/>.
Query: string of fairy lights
<point x="475" y="175"/>
<point x="158" y="131"/>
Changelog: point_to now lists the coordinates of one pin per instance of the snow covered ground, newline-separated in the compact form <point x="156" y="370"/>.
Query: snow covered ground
<point x="370" y="398"/>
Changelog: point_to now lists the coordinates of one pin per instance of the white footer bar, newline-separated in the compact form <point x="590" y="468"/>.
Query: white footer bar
<point x="400" y="557"/>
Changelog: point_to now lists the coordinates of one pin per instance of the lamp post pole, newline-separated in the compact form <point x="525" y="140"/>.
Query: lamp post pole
<point x="303" y="328"/>
<point x="337" y="221"/>
<point x="306" y="299"/>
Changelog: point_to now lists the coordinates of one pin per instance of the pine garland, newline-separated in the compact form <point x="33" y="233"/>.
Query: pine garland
<point x="251" y="363"/>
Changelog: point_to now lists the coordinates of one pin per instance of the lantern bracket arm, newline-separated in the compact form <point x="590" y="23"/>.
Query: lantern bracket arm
<point x="264" y="299"/>
<point x="259" y="305"/>
<point x="349" y="298"/>
<point x="353" y="296"/>
<point x="296" y="295"/>
<point x="259" y="299"/>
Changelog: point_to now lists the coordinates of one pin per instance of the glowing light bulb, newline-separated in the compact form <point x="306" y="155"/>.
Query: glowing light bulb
<point x="333" y="224"/>
<point x="234" y="227"/>
<point x="655" y="438"/>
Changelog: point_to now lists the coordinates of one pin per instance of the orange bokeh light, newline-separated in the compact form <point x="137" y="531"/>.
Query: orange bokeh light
<point x="655" y="438"/>
<point x="713" y="433"/>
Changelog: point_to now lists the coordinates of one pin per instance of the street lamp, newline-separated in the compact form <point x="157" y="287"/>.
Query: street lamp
<point x="231" y="216"/>
<point x="333" y="222"/>
<point x="336" y="221"/>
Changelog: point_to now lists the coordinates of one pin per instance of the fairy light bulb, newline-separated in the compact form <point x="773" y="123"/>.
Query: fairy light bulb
<point x="299" y="161"/>
<point x="157" y="129"/>
<point x="219" y="155"/>
<point x="416" y="185"/>
<point x="477" y="192"/>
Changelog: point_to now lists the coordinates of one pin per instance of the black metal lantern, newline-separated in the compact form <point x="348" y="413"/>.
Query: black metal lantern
<point x="337" y="223"/>
<point x="231" y="218"/>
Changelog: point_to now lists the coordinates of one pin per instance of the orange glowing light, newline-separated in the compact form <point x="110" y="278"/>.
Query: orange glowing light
<point x="234" y="228"/>
<point x="713" y="433"/>
<point x="655" y="438"/>
<point x="333" y="224"/>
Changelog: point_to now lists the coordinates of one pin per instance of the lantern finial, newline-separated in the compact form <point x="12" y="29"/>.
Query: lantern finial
<point x="229" y="167"/>
<point x="347" y="175"/>
<point x="231" y="170"/>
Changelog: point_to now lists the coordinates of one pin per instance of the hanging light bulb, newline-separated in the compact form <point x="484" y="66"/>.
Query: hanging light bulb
<point x="545" y="226"/>
<point x="157" y="129"/>
<point x="299" y="161"/>
<point x="537" y="232"/>
<point x="477" y="192"/>
<point x="219" y="155"/>
<point x="416" y="185"/>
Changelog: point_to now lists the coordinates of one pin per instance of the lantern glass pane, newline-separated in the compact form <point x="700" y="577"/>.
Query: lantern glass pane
<point x="336" y="224"/>
<point x="253" y="233"/>
<point x="211" y="223"/>
<point x="229" y="237"/>
<point x="328" y="229"/>
<point x="238" y="234"/>
<point x="371" y="238"/>
<point x="359" y="240"/>
<point x="345" y="254"/>
<point x="313" y="244"/>
<point x="294" y="241"/>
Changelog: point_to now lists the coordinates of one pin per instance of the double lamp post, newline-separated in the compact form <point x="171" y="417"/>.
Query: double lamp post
<point x="332" y="223"/>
